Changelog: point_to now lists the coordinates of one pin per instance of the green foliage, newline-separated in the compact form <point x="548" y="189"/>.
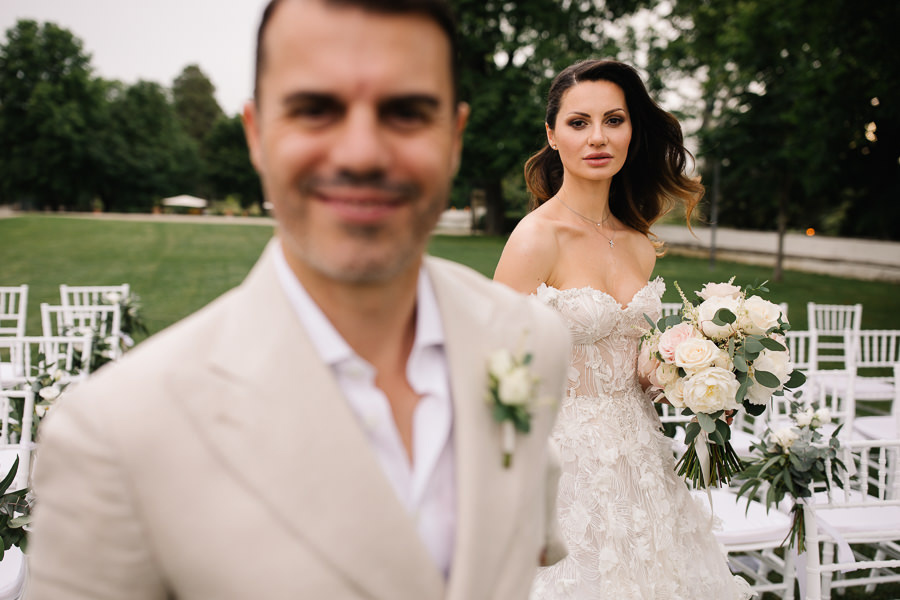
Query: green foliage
<point x="228" y="167"/>
<point x="49" y="112"/>
<point x="195" y="102"/>
<point x="791" y="91"/>
<point x="15" y="513"/>
<point x="149" y="155"/>
<point x="790" y="462"/>
<point x="70" y="140"/>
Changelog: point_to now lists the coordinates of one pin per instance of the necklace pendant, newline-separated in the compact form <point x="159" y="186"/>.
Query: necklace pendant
<point x="611" y="244"/>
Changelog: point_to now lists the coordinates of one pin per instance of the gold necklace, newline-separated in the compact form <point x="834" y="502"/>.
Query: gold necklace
<point x="599" y="225"/>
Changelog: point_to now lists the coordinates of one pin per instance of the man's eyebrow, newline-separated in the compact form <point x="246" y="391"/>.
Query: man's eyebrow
<point x="309" y="97"/>
<point x="426" y="100"/>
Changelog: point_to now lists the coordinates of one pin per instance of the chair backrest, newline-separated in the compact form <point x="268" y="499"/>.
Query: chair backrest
<point x="671" y="308"/>
<point x="829" y="321"/>
<point x="877" y="348"/>
<point x="22" y="357"/>
<point x="103" y="321"/>
<point x="13" y="309"/>
<point x="802" y="345"/>
<point x="91" y="295"/>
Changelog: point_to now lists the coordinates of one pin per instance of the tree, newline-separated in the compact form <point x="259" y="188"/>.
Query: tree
<point x="795" y="108"/>
<point x="195" y="102"/>
<point x="49" y="111"/>
<point x="228" y="169"/>
<point x="509" y="53"/>
<point x="150" y="155"/>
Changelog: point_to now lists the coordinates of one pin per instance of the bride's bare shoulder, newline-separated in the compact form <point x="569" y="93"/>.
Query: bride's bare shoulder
<point x="530" y="253"/>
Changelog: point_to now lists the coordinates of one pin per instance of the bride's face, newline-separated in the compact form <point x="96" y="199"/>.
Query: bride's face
<point x="592" y="130"/>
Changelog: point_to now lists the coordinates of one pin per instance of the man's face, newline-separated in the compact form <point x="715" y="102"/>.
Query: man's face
<point x="355" y="136"/>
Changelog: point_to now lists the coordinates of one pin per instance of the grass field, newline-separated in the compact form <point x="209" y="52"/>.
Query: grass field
<point x="178" y="267"/>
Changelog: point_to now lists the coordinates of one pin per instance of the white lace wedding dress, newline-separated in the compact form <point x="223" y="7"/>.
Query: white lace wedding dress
<point x="632" y="528"/>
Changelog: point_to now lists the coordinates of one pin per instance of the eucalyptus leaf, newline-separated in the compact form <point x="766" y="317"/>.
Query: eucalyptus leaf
<point x="706" y="422"/>
<point x="724" y="316"/>
<point x="771" y="344"/>
<point x="767" y="379"/>
<point x="753" y="345"/>
<point x="797" y="379"/>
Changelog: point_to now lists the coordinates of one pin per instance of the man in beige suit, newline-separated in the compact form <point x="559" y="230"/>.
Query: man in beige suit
<point x="321" y="431"/>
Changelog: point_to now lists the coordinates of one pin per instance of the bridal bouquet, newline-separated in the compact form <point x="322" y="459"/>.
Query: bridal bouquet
<point x="725" y="354"/>
<point x="789" y="460"/>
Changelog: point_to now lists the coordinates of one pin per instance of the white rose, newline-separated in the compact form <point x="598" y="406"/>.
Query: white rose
<point x="112" y="297"/>
<point x="759" y="315"/>
<point x="821" y="417"/>
<point x="672" y="337"/>
<point x="723" y="360"/>
<point x="776" y="362"/>
<point x="515" y="386"/>
<point x="695" y="354"/>
<point x="675" y="393"/>
<point x="719" y="290"/>
<point x="707" y="311"/>
<point x="50" y="392"/>
<point x="664" y="375"/>
<point x="41" y="410"/>
<point x="783" y="437"/>
<point x="804" y="418"/>
<point x="759" y="394"/>
<point x="710" y="390"/>
<point x="500" y="362"/>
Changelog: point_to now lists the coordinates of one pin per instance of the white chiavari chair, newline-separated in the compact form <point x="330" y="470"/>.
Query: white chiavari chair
<point x="830" y="321"/>
<point x="862" y="509"/>
<point x="13" y="310"/>
<point x="92" y="295"/>
<point x="104" y="322"/>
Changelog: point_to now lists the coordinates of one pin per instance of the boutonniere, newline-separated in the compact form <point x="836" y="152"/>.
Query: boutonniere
<point x="512" y="393"/>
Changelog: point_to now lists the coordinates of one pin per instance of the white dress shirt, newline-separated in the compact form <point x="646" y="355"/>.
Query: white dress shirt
<point x="427" y="488"/>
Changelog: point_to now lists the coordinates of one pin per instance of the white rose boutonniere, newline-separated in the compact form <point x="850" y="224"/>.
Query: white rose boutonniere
<point x="512" y="393"/>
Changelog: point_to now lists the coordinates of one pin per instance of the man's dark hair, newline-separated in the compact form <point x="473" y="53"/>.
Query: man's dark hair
<point x="438" y="11"/>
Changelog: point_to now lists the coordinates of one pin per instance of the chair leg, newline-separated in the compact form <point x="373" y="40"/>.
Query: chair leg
<point x="827" y="559"/>
<point x="789" y="575"/>
<point x="879" y="555"/>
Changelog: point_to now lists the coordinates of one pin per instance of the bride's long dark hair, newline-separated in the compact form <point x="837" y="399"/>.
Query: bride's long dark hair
<point x="653" y="180"/>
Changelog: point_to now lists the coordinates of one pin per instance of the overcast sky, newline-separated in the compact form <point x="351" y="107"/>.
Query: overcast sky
<point x="154" y="40"/>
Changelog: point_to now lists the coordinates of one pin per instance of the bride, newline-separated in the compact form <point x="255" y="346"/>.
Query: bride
<point x="615" y="163"/>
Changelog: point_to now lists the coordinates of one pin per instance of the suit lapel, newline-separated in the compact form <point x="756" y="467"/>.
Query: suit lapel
<point x="486" y="492"/>
<point x="275" y="415"/>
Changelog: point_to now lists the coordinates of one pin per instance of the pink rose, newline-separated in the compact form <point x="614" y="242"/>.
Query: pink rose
<point x="647" y="363"/>
<point x="673" y="336"/>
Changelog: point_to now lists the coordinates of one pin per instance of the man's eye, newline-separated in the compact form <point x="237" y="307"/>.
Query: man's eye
<point x="407" y="115"/>
<point x="314" y="112"/>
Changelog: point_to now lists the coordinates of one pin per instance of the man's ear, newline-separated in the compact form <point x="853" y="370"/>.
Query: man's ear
<point x="462" y="117"/>
<point x="250" y="119"/>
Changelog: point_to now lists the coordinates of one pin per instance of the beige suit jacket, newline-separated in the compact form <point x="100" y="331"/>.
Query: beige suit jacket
<point x="218" y="461"/>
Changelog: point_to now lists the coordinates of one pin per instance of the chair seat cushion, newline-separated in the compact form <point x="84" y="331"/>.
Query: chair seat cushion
<point x="876" y="428"/>
<point x="740" y="525"/>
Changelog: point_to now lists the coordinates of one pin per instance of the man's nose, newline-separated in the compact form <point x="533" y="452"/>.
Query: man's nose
<point x="361" y="146"/>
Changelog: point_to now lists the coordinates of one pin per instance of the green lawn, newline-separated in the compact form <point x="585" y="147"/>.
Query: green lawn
<point x="178" y="267"/>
